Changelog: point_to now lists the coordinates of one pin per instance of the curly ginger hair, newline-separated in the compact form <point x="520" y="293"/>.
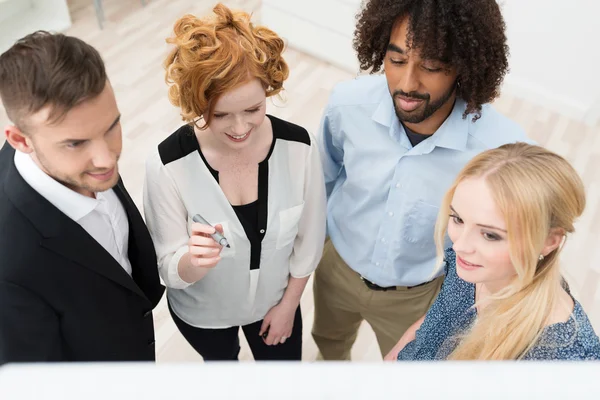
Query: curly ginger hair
<point x="215" y="54"/>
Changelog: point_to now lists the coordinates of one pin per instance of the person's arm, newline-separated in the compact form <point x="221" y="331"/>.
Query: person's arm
<point x="182" y="260"/>
<point x="310" y="239"/>
<point x="408" y="337"/>
<point x="29" y="327"/>
<point x="293" y="292"/>
<point x="307" y="251"/>
<point x="331" y="153"/>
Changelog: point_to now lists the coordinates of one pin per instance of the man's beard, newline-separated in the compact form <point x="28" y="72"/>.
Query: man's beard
<point x="425" y="110"/>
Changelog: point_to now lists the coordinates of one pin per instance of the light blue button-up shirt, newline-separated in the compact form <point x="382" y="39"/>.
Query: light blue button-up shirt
<point x="383" y="193"/>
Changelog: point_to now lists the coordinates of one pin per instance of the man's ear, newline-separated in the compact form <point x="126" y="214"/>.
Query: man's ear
<point x="18" y="139"/>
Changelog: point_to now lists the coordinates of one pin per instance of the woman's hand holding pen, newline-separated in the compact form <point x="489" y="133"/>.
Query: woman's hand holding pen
<point x="203" y="253"/>
<point x="203" y="249"/>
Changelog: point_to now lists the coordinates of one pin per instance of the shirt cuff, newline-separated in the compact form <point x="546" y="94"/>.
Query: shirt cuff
<point x="301" y="272"/>
<point x="174" y="280"/>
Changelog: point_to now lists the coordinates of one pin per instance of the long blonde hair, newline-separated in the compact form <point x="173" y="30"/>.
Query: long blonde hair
<point x="537" y="191"/>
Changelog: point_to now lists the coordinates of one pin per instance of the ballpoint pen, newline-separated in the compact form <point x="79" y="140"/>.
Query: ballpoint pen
<point x="216" y="236"/>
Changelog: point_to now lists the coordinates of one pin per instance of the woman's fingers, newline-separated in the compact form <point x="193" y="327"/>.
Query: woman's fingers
<point x="201" y="251"/>
<point x="204" y="262"/>
<point x="198" y="240"/>
<point x="201" y="228"/>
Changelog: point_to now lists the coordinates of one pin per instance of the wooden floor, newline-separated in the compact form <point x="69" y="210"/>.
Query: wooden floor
<point x="133" y="46"/>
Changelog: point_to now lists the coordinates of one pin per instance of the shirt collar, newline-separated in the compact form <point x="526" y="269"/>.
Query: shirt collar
<point x="71" y="203"/>
<point x="452" y="134"/>
<point x="385" y="114"/>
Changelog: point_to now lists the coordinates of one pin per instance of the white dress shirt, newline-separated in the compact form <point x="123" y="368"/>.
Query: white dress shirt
<point x="104" y="218"/>
<point x="291" y="221"/>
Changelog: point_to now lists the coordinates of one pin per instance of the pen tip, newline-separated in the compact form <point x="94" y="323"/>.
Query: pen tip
<point x="228" y="246"/>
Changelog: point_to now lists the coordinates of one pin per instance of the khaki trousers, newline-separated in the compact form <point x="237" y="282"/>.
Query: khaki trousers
<point x="342" y="301"/>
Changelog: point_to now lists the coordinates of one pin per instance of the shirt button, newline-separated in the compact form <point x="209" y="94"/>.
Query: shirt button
<point x="262" y="231"/>
<point x="391" y="214"/>
<point x="377" y="264"/>
<point x="398" y="186"/>
<point x="383" y="240"/>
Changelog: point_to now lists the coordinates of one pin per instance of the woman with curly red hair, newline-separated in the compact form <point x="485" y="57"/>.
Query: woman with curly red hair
<point x="253" y="177"/>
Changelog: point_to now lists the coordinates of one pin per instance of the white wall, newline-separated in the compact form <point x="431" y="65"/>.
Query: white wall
<point x="554" y="54"/>
<point x="555" y="57"/>
<point x="10" y="8"/>
<point x="21" y="17"/>
<point x="322" y="28"/>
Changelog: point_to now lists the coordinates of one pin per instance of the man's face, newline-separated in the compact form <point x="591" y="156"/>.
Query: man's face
<point x="420" y="88"/>
<point x="81" y="151"/>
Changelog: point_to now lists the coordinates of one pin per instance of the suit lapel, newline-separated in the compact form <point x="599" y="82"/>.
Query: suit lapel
<point x="75" y="244"/>
<point x="138" y="242"/>
<point x="142" y="254"/>
<point x="127" y="203"/>
<point x="60" y="234"/>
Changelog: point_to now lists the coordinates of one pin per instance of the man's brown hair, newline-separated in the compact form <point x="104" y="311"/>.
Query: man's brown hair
<point x="48" y="70"/>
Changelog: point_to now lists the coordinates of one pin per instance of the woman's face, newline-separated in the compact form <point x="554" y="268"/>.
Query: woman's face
<point x="238" y="114"/>
<point x="477" y="229"/>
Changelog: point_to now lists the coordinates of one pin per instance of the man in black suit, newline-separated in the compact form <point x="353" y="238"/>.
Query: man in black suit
<point x="78" y="270"/>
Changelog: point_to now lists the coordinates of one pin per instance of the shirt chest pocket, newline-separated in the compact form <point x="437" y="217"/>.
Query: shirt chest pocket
<point x="419" y="225"/>
<point x="288" y="225"/>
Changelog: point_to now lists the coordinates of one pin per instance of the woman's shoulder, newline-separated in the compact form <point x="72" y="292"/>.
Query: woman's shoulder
<point x="454" y="289"/>
<point x="288" y="131"/>
<point x="457" y="290"/>
<point x="177" y="145"/>
<point x="587" y="338"/>
<point x="450" y="263"/>
<point x="574" y="339"/>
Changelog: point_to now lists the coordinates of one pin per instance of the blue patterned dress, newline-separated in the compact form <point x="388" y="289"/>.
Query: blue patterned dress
<point x="453" y="312"/>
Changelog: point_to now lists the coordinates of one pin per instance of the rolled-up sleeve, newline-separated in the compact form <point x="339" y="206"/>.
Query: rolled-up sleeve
<point x="308" y="245"/>
<point x="166" y="218"/>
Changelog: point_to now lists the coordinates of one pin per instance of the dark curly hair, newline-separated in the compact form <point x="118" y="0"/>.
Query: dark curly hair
<point x="466" y="34"/>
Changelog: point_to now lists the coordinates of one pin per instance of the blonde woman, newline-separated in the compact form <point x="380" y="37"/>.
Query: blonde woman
<point x="254" y="177"/>
<point x="503" y="298"/>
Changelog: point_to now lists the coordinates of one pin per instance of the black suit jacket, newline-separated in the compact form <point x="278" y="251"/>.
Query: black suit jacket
<point x="63" y="297"/>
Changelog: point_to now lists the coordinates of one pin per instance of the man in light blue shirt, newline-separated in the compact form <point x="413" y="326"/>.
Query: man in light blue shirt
<point x="391" y="146"/>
